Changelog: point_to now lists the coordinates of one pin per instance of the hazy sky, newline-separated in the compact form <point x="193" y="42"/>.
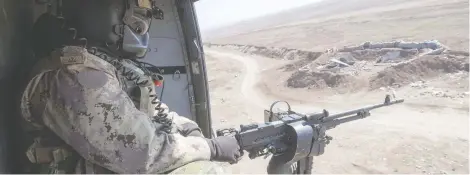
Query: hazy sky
<point x="216" y="13"/>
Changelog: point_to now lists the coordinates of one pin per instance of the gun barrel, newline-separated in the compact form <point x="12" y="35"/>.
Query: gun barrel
<point x="352" y="112"/>
<point x="333" y="123"/>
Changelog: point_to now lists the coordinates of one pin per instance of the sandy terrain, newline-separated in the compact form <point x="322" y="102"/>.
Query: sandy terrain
<point x="407" y="138"/>
<point x="358" y="21"/>
<point x="426" y="134"/>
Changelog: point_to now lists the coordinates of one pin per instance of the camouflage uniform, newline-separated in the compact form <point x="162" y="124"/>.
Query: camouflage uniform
<point x="82" y="99"/>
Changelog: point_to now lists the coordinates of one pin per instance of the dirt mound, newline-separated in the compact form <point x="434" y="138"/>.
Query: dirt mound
<point x="365" y="66"/>
<point x="312" y="79"/>
<point x="379" y="65"/>
<point x="418" y="69"/>
<point x="360" y="60"/>
<point x="270" y="52"/>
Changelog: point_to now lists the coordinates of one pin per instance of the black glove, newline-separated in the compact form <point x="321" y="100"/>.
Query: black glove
<point x="224" y="149"/>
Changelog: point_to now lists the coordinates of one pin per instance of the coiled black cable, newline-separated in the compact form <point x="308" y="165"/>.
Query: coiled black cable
<point x="161" y="116"/>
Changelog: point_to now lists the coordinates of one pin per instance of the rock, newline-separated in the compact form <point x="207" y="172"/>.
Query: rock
<point x="437" y="93"/>
<point x="465" y="67"/>
<point x="396" y="85"/>
<point x="332" y="65"/>
<point x="347" y="58"/>
<point x="349" y="62"/>
<point x="418" y="84"/>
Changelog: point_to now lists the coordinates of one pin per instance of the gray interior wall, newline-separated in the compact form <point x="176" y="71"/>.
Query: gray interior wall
<point x="200" y="100"/>
<point x="15" y="24"/>
<point x="167" y="49"/>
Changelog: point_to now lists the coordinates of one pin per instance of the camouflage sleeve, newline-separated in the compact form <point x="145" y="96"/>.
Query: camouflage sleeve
<point x="99" y="120"/>
<point x="186" y="126"/>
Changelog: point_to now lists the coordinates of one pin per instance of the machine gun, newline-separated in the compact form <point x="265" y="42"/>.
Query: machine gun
<point x="293" y="138"/>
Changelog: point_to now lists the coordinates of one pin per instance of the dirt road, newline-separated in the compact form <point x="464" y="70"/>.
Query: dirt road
<point x="400" y="139"/>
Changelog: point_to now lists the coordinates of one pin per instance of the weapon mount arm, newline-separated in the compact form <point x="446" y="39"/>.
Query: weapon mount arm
<point x="294" y="136"/>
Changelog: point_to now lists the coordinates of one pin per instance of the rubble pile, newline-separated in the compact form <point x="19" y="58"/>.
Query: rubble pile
<point x="415" y="70"/>
<point x="382" y="64"/>
<point x="373" y="65"/>
<point x="313" y="79"/>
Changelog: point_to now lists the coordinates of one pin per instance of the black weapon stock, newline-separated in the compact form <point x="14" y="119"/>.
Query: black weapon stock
<point x="292" y="137"/>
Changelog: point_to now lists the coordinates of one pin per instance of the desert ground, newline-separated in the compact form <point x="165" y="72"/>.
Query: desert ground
<point x="291" y="60"/>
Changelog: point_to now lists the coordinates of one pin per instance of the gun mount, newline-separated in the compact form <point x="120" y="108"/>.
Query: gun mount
<point x="294" y="138"/>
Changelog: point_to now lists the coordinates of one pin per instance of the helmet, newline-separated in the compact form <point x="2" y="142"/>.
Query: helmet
<point x="116" y="26"/>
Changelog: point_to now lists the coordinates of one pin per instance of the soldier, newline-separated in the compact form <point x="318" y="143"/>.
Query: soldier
<point x="92" y="108"/>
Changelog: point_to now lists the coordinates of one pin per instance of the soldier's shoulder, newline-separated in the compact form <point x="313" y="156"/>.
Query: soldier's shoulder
<point x="89" y="70"/>
<point x="76" y="57"/>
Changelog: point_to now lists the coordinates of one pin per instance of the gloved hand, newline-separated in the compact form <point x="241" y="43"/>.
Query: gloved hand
<point x="224" y="149"/>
